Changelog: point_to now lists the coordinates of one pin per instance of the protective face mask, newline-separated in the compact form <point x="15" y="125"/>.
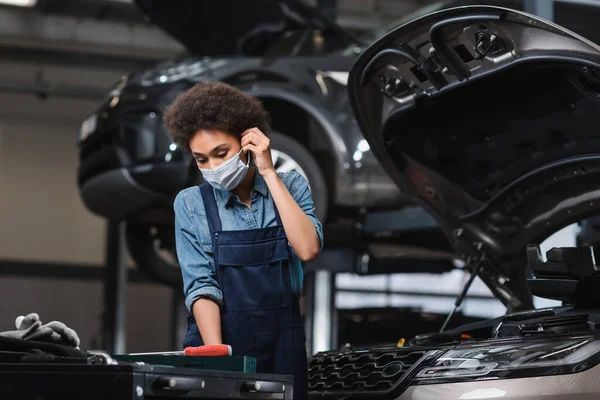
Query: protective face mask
<point x="227" y="175"/>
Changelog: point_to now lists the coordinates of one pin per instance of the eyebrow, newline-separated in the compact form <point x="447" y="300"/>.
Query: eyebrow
<point x="215" y="150"/>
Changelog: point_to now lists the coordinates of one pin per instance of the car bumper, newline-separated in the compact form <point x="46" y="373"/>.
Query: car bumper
<point x="127" y="160"/>
<point x="115" y="194"/>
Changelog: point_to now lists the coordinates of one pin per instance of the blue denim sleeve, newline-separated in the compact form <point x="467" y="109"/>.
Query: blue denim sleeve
<point x="197" y="267"/>
<point x="300" y="191"/>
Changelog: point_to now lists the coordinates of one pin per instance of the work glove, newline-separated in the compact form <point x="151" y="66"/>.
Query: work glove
<point x="53" y="332"/>
<point x="31" y="328"/>
<point x="30" y="323"/>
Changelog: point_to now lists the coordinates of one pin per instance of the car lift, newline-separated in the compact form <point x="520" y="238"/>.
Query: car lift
<point x="114" y="316"/>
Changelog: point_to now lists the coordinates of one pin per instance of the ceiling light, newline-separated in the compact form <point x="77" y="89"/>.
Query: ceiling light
<point x="19" y="3"/>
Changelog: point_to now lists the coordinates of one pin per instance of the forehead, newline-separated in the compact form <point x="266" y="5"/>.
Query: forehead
<point x="204" y="141"/>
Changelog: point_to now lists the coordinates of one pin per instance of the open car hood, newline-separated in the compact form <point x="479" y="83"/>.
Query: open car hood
<point x="487" y="117"/>
<point x="234" y="27"/>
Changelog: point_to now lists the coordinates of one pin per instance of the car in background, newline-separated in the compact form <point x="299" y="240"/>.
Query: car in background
<point x="486" y="118"/>
<point x="282" y="52"/>
<point x="297" y="63"/>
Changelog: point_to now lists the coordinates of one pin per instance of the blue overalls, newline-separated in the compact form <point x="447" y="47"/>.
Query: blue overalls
<point x="260" y="315"/>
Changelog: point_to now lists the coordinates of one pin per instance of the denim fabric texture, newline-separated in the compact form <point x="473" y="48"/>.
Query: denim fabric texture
<point x="193" y="241"/>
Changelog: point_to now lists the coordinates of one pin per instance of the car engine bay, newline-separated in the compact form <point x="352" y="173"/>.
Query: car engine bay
<point x="548" y="341"/>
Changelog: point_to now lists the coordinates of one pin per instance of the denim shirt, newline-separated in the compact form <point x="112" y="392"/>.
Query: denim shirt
<point x="193" y="240"/>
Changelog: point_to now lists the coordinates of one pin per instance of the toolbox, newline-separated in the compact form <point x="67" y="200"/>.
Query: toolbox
<point x="135" y="381"/>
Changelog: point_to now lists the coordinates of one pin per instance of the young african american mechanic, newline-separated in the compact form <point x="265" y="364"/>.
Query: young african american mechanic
<point x="243" y="234"/>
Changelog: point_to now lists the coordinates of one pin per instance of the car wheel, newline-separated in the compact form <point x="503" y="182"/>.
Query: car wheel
<point x="153" y="250"/>
<point x="290" y="155"/>
<point x="152" y="247"/>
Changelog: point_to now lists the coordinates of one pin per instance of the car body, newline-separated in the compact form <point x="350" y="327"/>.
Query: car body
<point x="486" y="117"/>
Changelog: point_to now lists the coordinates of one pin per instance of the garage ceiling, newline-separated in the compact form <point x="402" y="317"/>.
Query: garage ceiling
<point x="46" y="49"/>
<point x="117" y="31"/>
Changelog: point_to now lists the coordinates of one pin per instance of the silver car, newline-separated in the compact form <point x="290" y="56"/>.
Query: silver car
<point x="488" y="118"/>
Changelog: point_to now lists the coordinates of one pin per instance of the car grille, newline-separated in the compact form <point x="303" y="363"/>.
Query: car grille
<point x="373" y="372"/>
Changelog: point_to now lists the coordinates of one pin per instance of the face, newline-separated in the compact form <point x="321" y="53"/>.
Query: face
<point x="212" y="148"/>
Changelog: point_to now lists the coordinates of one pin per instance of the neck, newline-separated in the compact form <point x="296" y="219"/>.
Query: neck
<point x="242" y="191"/>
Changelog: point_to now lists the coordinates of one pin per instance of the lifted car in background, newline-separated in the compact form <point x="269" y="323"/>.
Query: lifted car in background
<point x="297" y="63"/>
<point x="282" y="52"/>
<point x="487" y="118"/>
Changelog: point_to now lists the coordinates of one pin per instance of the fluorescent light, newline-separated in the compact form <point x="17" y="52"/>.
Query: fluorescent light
<point x="19" y="3"/>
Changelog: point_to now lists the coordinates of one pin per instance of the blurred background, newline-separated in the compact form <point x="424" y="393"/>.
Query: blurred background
<point x="87" y="174"/>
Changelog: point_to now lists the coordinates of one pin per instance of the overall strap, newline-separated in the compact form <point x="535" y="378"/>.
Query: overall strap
<point x="211" y="209"/>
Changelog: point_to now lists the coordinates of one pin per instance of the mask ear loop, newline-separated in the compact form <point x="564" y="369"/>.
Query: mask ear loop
<point x="249" y="155"/>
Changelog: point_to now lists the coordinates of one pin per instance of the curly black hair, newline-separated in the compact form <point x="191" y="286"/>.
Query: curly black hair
<point x="214" y="106"/>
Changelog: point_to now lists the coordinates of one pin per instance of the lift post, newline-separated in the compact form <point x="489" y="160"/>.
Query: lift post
<point x="115" y="290"/>
<point x="179" y="318"/>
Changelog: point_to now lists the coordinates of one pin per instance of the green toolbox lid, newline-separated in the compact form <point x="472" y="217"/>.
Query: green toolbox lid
<point x="228" y="363"/>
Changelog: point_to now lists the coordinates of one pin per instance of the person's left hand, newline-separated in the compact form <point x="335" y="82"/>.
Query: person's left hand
<point x="255" y="141"/>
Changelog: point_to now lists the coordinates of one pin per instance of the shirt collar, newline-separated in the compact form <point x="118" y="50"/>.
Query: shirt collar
<point x="260" y="186"/>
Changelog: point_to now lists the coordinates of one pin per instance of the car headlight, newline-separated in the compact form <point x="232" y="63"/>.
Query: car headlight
<point x="87" y="127"/>
<point x="511" y="360"/>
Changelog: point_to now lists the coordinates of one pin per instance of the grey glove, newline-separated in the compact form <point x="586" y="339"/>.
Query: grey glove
<point x="30" y="328"/>
<point x="30" y="323"/>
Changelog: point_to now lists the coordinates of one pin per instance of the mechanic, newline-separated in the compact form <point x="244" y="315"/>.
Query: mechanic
<point x="242" y="236"/>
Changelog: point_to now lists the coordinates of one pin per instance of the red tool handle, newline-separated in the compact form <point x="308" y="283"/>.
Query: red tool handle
<point x="213" y="350"/>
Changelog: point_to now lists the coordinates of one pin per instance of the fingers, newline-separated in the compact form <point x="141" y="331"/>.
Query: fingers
<point x="31" y="328"/>
<point x="252" y="138"/>
<point x="41" y="334"/>
<point x="64" y="333"/>
<point x="55" y="332"/>
<point x="251" y="147"/>
<point x="253" y="130"/>
<point x="27" y="321"/>
<point x="256" y="136"/>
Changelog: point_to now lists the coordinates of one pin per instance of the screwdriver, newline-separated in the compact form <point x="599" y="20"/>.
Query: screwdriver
<point x="213" y="350"/>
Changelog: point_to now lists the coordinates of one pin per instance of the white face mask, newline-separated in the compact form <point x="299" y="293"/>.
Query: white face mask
<point x="227" y="175"/>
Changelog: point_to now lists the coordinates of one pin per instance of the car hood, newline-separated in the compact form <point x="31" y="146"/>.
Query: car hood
<point x="487" y="117"/>
<point x="233" y="27"/>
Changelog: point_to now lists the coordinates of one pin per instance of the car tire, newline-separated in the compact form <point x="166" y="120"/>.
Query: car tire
<point x="144" y="248"/>
<point x="144" y="241"/>
<point x="307" y="163"/>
